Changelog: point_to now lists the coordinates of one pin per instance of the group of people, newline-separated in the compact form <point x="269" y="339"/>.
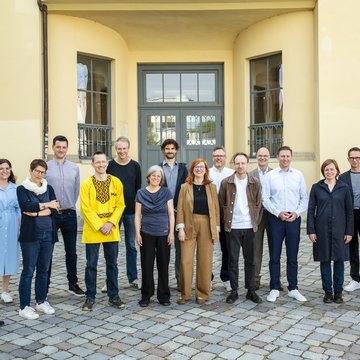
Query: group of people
<point x="191" y="208"/>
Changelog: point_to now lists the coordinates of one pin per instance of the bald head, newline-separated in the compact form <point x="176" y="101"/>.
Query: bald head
<point x="262" y="157"/>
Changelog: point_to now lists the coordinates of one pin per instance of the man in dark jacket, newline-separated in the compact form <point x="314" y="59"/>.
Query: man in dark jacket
<point x="175" y="175"/>
<point x="352" y="178"/>
<point x="240" y="204"/>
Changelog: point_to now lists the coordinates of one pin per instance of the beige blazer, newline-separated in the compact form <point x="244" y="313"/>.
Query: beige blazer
<point x="184" y="216"/>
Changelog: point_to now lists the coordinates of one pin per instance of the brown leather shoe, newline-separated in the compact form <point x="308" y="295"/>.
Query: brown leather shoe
<point x="182" y="301"/>
<point x="200" y="301"/>
<point x="257" y="284"/>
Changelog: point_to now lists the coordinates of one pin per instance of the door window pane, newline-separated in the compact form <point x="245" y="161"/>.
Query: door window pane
<point x="189" y="87"/>
<point x="154" y="88"/>
<point x="159" y="128"/>
<point x="208" y="130"/>
<point x="200" y="130"/>
<point x="207" y="87"/>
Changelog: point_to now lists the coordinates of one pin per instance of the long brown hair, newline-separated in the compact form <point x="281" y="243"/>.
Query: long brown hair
<point x="12" y="177"/>
<point x="190" y="178"/>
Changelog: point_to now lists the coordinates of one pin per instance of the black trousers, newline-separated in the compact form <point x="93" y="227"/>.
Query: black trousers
<point x="224" y="272"/>
<point x="244" y="238"/>
<point x="354" y="248"/>
<point x="155" y="247"/>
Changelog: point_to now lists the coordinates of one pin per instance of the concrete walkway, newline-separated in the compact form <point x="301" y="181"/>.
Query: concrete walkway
<point x="286" y="329"/>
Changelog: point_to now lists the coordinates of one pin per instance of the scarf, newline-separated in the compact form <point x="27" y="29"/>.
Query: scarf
<point x="38" y="190"/>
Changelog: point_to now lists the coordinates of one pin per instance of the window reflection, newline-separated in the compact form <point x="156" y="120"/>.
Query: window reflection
<point x="154" y="89"/>
<point x="189" y="87"/>
<point x="207" y="87"/>
<point x="159" y="128"/>
<point x="200" y="130"/>
<point x="180" y="87"/>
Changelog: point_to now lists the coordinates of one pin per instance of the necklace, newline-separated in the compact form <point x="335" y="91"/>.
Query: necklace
<point x="198" y="187"/>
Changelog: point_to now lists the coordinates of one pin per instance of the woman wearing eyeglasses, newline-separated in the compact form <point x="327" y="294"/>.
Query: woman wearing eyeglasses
<point x="198" y="223"/>
<point x="37" y="236"/>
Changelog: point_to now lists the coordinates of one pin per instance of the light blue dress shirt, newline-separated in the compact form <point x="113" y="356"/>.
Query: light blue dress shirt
<point x="285" y="191"/>
<point x="65" y="179"/>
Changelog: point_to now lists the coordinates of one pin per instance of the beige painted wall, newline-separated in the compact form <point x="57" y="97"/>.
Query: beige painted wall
<point x="338" y="59"/>
<point x="20" y="84"/>
<point x="292" y="34"/>
<point x="68" y="36"/>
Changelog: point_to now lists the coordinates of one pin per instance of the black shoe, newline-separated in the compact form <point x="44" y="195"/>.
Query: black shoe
<point x="165" y="303"/>
<point x="232" y="297"/>
<point x="144" y="302"/>
<point x="76" y="290"/>
<point x="116" y="302"/>
<point x="2" y="323"/>
<point x="338" y="299"/>
<point x="253" y="296"/>
<point x="88" y="304"/>
<point x="328" y="298"/>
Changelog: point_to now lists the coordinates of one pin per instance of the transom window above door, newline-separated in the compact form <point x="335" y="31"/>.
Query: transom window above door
<point x="181" y="85"/>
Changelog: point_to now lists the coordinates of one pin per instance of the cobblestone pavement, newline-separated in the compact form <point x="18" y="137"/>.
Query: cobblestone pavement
<point x="286" y="329"/>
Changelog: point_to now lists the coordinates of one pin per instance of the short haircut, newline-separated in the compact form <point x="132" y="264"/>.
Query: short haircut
<point x="238" y="154"/>
<point x="169" y="142"/>
<point x="353" y="149"/>
<point x="60" y="138"/>
<point x="38" y="162"/>
<point x="219" y="148"/>
<point x="153" y="169"/>
<point x="122" y="139"/>
<point x="328" y="162"/>
<point x="97" y="153"/>
<point x="12" y="177"/>
<point x="284" y="148"/>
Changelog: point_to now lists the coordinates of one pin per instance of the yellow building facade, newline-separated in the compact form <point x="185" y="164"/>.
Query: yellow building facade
<point x="206" y="58"/>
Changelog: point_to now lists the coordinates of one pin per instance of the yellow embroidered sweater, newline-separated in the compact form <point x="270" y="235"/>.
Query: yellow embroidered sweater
<point x="101" y="202"/>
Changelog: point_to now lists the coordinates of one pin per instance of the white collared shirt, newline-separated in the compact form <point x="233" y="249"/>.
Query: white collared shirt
<point x="285" y="191"/>
<point x="218" y="176"/>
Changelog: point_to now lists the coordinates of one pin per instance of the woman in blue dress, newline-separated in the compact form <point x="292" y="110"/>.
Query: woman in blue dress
<point x="9" y="228"/>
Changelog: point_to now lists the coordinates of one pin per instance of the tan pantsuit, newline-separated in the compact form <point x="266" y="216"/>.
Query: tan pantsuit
<point x="201" y="240"/>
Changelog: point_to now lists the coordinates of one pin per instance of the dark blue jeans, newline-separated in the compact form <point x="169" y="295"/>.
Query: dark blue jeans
<point x="290" y="231"/>
<point x="92" y="256"/>
<point x="338" y="276"/>
<point x="131" y="253"/>
<point x="67" y="223"/>
<point x="36" y="255"/>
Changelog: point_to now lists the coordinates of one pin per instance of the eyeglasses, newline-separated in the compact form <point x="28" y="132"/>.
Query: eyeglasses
<point x="219" y="156"/>
<point x="354" y="158"/>
<point x="199" y="167"/>
<point x="39" y="172"/>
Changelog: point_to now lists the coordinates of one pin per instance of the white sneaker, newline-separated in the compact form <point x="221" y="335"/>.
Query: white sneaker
<point x="6" y="297"/>
<point x="45" y="307"/>
<point x="28" y="313"/>
<point x="353" y="285"/>
<point x="227" y="285"/>
<point x="296" y="295"/>
<point x="273" y="295"/>
<point x="104" y="289"/>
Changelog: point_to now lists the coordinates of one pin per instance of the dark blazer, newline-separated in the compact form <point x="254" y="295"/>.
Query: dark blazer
<point x="182" y="175"/>
<point x="346" y="178"/>
<point x="255" y="174"/>
<point x="330" y="217"/>
<point x="28" y="224"/>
